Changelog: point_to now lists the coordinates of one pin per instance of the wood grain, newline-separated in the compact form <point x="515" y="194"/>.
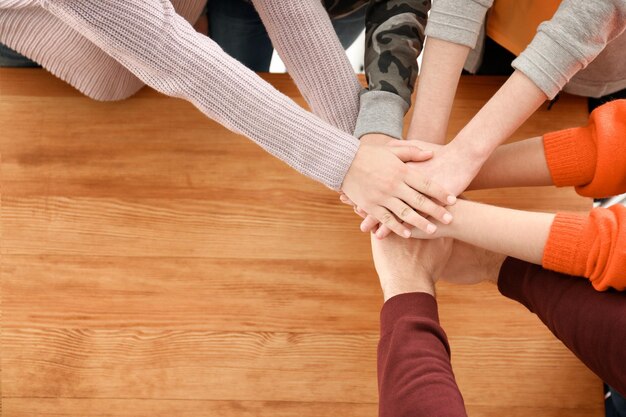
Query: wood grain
<point x="155" y="264"/>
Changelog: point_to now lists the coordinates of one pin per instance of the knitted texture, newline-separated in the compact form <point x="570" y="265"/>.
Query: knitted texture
<point x="592" y="158"/>
<point x="303" y="35"/>
<point x="104" y="47"/>
<point x="592" y="246"/>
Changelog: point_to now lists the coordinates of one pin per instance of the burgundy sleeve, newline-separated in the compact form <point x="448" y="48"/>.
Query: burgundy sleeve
<point x="415" y="376"/>
<point x="591" y="324"/>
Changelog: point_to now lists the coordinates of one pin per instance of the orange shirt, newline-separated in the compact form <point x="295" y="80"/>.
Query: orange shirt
<point x="593" y="159"/>
<point x="513" y="23"/>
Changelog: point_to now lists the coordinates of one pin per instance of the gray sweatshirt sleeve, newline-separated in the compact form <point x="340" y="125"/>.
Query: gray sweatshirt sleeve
<point x="564" y="45"/>
<point x="457" y="21"/>
<point x="575" y="36"/>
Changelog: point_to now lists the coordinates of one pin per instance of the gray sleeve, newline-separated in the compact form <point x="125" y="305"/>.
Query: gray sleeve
<point x="575" y="36"/>
<point x="457" y="21"/>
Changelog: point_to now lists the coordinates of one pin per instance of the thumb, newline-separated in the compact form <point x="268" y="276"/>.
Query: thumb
<point x="411" y="153"/>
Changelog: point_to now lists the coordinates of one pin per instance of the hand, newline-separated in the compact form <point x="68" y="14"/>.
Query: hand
<point x="448" y="167"/>
<point x="412" y="265"/>
<point x="380" y="183"/>
<point x="469" y="264"/>
<point x="451" y="167"/>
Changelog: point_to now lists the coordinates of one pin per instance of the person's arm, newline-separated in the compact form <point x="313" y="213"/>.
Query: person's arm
<point x="415" y="377"/>
<point x="591" y="324"/>
<point x="453" y="30"/>
<point x="588" y="245"/>
<point x="162" y="49"/>
<point x="394" y="36"/>
<point x="576" y="34"/>
<point x="567" y="43"/>
<point x="438" y="79"/>
<point x="458" y="163"/>
<point x="590" y="158"/>
<point x="303" y="35"/>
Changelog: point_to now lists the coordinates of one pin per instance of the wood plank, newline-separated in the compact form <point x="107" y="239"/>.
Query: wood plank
<point x="48" y="407"/>
<point x="267" y="367"/>
<point x="28" y="407"/>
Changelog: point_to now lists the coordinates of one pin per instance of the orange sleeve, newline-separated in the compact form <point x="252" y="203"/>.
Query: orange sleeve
<point x="593" y="246"/>
<point x="591" y="158"/>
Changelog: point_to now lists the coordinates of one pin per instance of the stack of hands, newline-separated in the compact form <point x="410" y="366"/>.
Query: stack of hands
<point x="423" y="179"/>
<point x="412" y="183"/>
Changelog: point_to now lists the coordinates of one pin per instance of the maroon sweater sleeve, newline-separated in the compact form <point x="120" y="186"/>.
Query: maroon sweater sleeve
<point x="415" y="377"/>
<point x="591" y="324"/>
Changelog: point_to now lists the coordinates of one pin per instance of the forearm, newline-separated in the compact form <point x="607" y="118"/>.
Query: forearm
<point x="589" y="323"/>
<point x="518" y="164"/>
<point x="441" y="69"/>
<point x="591" y="158"/>
<point x="321" y="70"/>
<point x="515" y="233"/>
<point x="498" y="119"/>
<point x="164" y="51"/>
<point x="414" y="372"/>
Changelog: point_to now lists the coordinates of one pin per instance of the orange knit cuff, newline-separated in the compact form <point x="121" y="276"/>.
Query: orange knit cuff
<point x="566" y="250"/>
<point x="571" y="155"/>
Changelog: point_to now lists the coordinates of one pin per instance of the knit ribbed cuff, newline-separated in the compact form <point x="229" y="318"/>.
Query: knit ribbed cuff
<point x="571" y="155"/>
<point x="457" y="22"/>
<point x="381" y="112"/>
<point x="547" y="64"/>
<point x="566" y="250"/>
<point x="414" y="304"/>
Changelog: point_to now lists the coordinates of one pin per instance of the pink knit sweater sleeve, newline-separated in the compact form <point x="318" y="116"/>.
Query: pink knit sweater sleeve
<point x="303" y="35"/>
<point x="162" y="49"/>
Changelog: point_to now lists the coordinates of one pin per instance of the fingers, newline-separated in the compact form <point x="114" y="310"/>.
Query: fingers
<point x="408" y="215"/>
<point x="345" y="200"/>
<point x="427" y="187"/>
<point x="411" y="153"/>
<point x="424" y="205"/>
<point x="419" y="234"/>
<point x="361" y="213"/>
<point x="388" y="219"/>
<point x="382" y="232"/>
<point x="369" y="224"/>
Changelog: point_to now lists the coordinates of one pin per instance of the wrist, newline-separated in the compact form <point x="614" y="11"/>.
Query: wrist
<point x="459" y="211"/>
<point x="416" y="282"/>
<point x="472" y="150"/>
<point x="376" y="139"/>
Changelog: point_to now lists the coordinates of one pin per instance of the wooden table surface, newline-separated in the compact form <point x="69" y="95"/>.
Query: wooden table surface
<point x="155" y="264"/>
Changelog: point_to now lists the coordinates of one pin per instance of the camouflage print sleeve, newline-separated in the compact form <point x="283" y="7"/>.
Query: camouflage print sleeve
<point x="394" y="38"/>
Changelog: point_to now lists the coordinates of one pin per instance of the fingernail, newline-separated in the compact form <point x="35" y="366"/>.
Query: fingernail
<point x="430" y="229"/>
<point x="447" y="218"/>
<point x="451" y="199"/>
<point x="407" y="233"/>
